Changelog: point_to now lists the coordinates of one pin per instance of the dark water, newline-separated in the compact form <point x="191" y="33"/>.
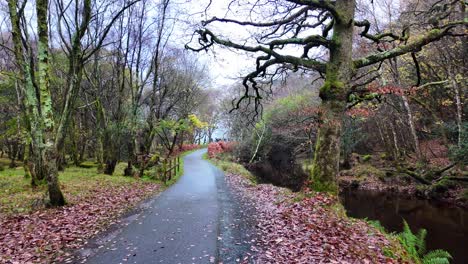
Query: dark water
<point x="447" y="226"/>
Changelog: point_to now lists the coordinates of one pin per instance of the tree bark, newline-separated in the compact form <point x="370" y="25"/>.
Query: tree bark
<point x="414" y="135"/>
<point x="459" y="105"/>
<point x="339" y="71"/>
<point x="50" y="152"/>
<point x="37" y="99"/>
<point x="325" y="166"/>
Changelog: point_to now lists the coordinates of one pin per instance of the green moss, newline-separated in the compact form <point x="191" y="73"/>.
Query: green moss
<point x="338" y="209"/>
<point x="366" y="158"/>
<point x="367" y="170"/>
<point x="441" y="187"/>
<point x="331" y="88"/>
<point x="319" y="185"/>
<point x="433" y="32"/>
<point x="88" y="164"/>
<point x="464" y="195"/>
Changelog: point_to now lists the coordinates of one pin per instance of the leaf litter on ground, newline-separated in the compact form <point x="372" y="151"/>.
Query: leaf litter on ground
<point x="48" y="235"/>
<point x="298" y="228"/>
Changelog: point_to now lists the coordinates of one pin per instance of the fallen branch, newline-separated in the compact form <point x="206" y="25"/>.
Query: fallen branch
<point x="416" y="176"/>
<point x="454" y="178"/>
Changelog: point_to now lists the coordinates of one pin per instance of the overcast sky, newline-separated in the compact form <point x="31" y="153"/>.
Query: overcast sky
<point x="226" y="65"/>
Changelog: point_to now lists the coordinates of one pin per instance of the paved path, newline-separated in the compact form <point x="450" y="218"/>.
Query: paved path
<point x="197" y="220"/>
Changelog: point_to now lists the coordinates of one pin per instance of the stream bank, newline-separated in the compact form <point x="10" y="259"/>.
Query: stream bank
<point x="446" y="225"/>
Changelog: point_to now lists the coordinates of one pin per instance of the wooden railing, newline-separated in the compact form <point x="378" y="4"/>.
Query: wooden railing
<point x="170" y="168"/>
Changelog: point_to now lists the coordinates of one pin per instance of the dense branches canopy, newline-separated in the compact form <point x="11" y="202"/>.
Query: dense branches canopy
<point x="298" y="35"/>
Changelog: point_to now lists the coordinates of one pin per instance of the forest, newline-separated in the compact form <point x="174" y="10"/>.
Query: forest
<point x="289" y="131"/>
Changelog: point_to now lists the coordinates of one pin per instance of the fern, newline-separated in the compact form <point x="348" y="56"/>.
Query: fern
<point x="415" y="245"/>
<point x="377" y="225"/>
<point x="436" y="261"/>
<point x="421" y="241"/>
<point x="437" y="256"/>
<point x="409" y="241"/>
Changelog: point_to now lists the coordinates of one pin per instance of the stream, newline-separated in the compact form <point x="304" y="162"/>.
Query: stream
<point x="447" y="226"/>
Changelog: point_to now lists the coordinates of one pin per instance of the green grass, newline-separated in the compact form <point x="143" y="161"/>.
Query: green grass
<point x="225" y="163"/>
<point x="17" y="196"/>
<point x="5" y="162"/>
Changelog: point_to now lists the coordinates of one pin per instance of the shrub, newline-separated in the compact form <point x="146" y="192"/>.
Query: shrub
<point x="185" y="147"/>
<point x="215" y="148"/>
<point x="188" y="147"/>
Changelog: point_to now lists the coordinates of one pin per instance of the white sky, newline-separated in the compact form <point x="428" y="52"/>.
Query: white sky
<point x="225" y="65"/>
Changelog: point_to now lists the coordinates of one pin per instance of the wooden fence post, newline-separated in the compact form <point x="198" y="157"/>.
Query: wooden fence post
<point x="170" y="169"/>
<point x="178" y="163"/>
<point x="165" y="171"/>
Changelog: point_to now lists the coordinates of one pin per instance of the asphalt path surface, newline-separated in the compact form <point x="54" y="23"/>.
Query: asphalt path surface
<point x="197" y="220"/>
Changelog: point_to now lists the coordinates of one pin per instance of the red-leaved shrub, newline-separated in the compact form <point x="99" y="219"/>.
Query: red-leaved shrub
<point x="216" y="148"/>
<point x="185" y="147"/>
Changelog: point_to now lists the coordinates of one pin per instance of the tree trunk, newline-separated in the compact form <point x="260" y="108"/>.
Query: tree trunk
<point x="50" y="166"/>
<point x="327" y="154"/>
<point x="459" y="105"/>
<point x="37" y="99"/>
<point x="333" y="94"/>
<point x="409" y="112"/>
<point x="110" y="166"/>
<point x="395" y="142"/>
<point x="50" y="152"/>
<point x="82" y="152"/>
<point x="131" y="156"/>
<point x="111" y="154"/>
<point x="74" y="145"/>
<point x="27" y="172"/>
<point x="100" y="154"/>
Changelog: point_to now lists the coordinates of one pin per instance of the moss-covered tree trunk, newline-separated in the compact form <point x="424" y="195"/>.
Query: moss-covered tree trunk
<point x="50" y="152"/>
<point x="99" y="137"/>
<point x="74" y="144"/>
<point x="74" y="75"/>
<point x="333" y="94"/>
<point x="37" y="99"/>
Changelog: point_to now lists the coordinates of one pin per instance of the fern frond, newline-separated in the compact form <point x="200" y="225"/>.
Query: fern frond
<point x="408" y="239"/>
<point x="421" y="241"/>
<point x="437" y="254"/>
<point x="436" y="261"/>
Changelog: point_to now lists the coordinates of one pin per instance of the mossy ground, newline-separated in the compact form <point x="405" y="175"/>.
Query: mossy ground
<point x="17" y="196"/>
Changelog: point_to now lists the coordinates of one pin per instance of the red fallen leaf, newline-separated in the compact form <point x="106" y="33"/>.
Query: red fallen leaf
<point x="305" y="231"/>
<point x="44" y="235"/>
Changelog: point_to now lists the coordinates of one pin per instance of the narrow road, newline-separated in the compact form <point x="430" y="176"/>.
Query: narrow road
<point x="197" y="220"/>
